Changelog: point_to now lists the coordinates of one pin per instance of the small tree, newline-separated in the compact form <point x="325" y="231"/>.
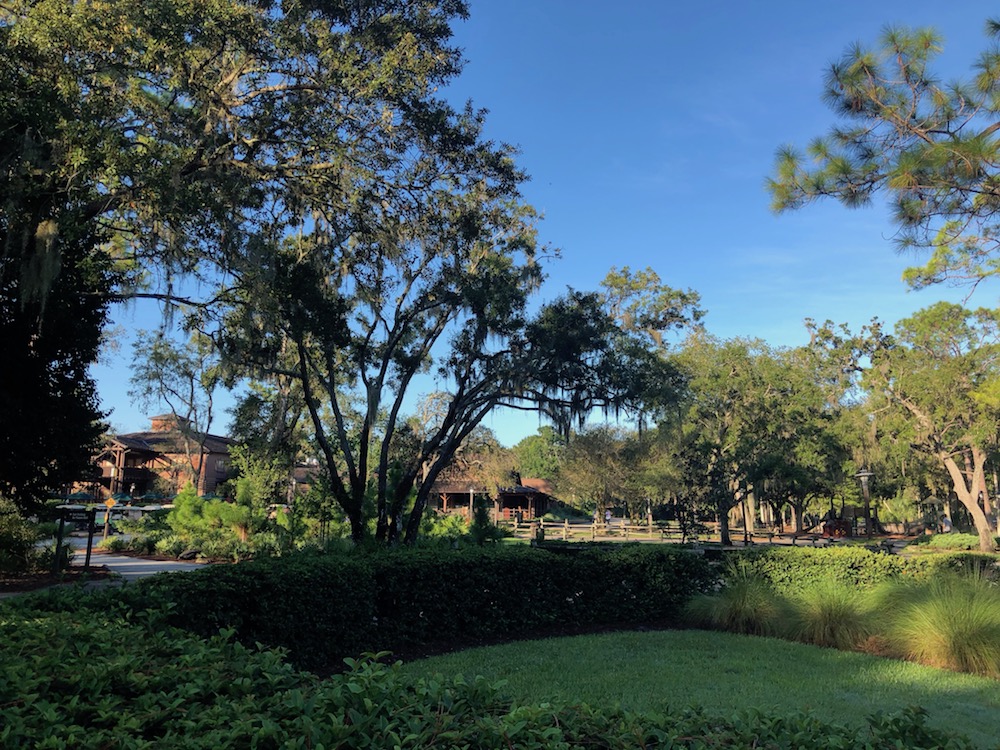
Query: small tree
<point x="185" y="378"/>
<point x="259" y="483"/>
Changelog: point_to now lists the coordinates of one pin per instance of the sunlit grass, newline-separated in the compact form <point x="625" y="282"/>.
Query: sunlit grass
<point x="725" y="672"/>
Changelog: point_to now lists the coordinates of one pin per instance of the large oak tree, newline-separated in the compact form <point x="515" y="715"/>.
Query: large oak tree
<point x="171" y="142"/>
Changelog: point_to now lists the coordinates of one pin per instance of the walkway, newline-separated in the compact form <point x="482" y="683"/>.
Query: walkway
<point x="125" y="567"/>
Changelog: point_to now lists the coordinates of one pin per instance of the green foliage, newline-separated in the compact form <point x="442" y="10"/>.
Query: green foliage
<point x="147" y="523"/>
<point x="829" y="614"/>
<point x="482" y="529"/>
<point x="258" y="482"/>
<point x="944" y="612"/>
<point x="540" y="455"/>
<point x="794" y="569"/>
<point x="559" y="512"/>
<point x="755" y="416"/>
<point x="19" y="552"/>
<point x="746" y="604"/>
<point x="17" y="539"/>
<point x="324" y="606"/>
<point x="931" y="382"/>
<point x="188" y="513"/>
<point x="952" y="622"/>
<point x="954" y="541"/>
<point x="925" y="144"/>
<point x="160" y="688"/>
<point x="450" y="526"/>
<point x="218" y="529"/>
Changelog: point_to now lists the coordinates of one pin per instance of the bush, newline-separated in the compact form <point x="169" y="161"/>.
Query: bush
<point x="483" y="594"/>
<point x="19" y="552"/>
<point x="323" y="607"/>
<point x="746" y="604"/>
<point x="954" y="541"/>
<point x="443" y="526"/>
<point x="794" y="569"/>
<point x="17" y="540"/>
<point x="171" y="545"/>
<point x="830" y="614"/>
<point x="62" y="686"/>
<point x="952" y="622"/>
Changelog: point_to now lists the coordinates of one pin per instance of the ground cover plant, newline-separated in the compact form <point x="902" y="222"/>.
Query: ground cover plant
<point x="643" y="671"/>
<point x="99" y="682"/>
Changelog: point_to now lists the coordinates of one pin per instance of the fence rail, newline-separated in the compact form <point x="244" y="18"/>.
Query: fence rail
<point x="623" y="529"/>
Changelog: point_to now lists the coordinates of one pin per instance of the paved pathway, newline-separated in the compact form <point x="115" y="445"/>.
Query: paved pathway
<point x="124" y="568"/>
<point x="128" y="568"/>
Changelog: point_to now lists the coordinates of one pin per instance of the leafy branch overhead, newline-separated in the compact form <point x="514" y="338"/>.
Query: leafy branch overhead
<point x="930" y="146"/>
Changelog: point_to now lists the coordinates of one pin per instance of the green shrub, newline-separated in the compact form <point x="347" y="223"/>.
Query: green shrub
<point x="17" y="540"/>
<point x="325" y="606"/>
<point x="954" y="541"/>
<point x="830" y="614"/>
<point x="148" y="523"/>
<point x="794" y="569"/>
<point x="64" y="685"/>
<point x="952" y="622"/>
<point x="443" y="526"/>
<point x="46" y="529"/>
<point x="171" y="546"/>
<point x="319" y="607"/>
<point x="42" y="558"/>
<point x="482" y="530"/>
<point x="747" y="603"/>
<point x="982" y="564"/>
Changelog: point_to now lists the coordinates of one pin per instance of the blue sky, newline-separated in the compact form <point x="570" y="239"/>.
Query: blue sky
<point x="649" y="128"/>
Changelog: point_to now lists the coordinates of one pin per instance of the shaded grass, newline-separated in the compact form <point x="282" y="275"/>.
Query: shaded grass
<point x="724" y="672"/>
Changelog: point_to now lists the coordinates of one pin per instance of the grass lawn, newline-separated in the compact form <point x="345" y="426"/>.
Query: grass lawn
<point x="724" y="673"/>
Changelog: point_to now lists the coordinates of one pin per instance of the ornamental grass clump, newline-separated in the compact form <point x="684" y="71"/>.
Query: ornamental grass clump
<point x="746" y="604"/>
<point x="830" y="614"/>
<point x="952" y="622"/>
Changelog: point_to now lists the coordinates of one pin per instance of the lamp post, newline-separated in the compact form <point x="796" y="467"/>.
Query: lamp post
<point x="864" y="477"/>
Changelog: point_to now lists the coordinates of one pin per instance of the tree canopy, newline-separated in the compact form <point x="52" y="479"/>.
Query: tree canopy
<point x="934" y="385"/>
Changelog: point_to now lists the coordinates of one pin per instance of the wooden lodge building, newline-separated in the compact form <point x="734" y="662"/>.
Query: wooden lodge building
<point x="524" y="501"/>
<point x="164" y="458"/>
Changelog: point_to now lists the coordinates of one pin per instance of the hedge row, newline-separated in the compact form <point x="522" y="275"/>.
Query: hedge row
<point x="793" y="569"/>
<point x="102" y="683"/>
<point x="324" y="607"/>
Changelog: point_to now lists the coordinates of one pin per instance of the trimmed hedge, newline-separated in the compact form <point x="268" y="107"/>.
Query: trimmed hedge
<point x="101" y="683"/>
<point x="791" y="569"/>
<point x="426" y="596"/>
<point x="324" y="607"/>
